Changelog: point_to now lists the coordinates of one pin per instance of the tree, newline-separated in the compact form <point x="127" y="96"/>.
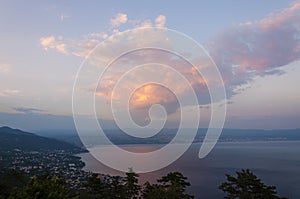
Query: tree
<point x="116" y="188"/>
<point x="131" y="185"/>
<point x="171" y="186"/>
<point x="96" y="188"/>
<point x="154" y="191"/>
<point x="247" y="186"/>
<point x="9" y="180"/>
<point x="43" y="187"/>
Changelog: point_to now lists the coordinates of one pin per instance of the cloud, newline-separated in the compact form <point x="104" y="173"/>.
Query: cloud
<point x="63" y="17"/>
<point x="47" y="41"/>
<point x="9" y="92"/>
<point x="4" y="69"/>
<point x="52" y="43"/>
<point x="79" y="48"/>
<point x="26" y="110"/>
<point x="266" y="44"/>
<point x="119" y="19"/>
<point x="257" y="48"/>
<point x="83" y="47"/>
<point x="96" y="35"/>
<point x="160" y="21"/>
<point x="146" y="24"/>
<point x="144" y="97"/>
<point x="241" y="52"/>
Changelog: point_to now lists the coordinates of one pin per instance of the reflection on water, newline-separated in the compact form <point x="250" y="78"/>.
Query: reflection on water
<point x="277" y="163"/>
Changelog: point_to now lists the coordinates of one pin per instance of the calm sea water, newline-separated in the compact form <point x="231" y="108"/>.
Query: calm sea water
<point x="276" y="163"/>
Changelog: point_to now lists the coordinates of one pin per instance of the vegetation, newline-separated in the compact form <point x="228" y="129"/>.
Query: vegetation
<point x="42" y="187"/>
<point x="170" y="186"/>
<point x="9" y="180"/>
<point x="15" y="185"/>
<point x="111" y="187"/>
<point x="247" y="186"/>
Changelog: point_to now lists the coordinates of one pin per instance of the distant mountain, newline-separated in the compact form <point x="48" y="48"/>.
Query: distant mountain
<point x="15" y="139"/>
<point x="166" y="135"/>
<point x="259" y="134"/>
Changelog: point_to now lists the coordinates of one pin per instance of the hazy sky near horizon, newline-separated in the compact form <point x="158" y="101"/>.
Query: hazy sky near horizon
<point x="255" y="44"/>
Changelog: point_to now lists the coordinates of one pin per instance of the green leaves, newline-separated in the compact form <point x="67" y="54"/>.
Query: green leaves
<point x="112" y="187"/>
<point x="14" y="185"/>
<point x="171" y="186"/>
<point x="247" y="185"/>
<point x="131" y="185"/>
<point x="45" y="187"/>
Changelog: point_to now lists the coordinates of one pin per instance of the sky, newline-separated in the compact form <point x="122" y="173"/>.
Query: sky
<point x="254" y="44"/>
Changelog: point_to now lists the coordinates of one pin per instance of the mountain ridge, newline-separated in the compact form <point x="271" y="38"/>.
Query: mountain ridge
<point x="11" y="139"/>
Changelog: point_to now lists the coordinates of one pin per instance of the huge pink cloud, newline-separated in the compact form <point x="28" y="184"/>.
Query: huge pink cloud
<point x="241" y="53"/>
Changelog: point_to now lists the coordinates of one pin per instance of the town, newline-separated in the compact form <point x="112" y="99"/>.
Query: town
<point x="59" y="163"/>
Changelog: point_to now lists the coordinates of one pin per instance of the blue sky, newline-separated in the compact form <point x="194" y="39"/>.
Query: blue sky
<point x="41" y="41"/>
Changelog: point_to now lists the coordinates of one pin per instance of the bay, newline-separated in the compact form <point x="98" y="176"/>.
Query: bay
<point x="275" y="162"/>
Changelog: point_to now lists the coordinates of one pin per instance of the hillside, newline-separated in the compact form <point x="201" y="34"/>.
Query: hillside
<point x="34" y="155"/>
<point x="11" y="139"/>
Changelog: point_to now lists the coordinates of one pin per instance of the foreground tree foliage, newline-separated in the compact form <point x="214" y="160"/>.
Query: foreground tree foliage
<point x="247" y="186"/>
<point x="113" y="187"/>
<point x="9" y="180"/>
<point x="42" y="187"/>
<point x="15" y="185"/>
<point x="171" y="186"/>
<point x="132" y="189"/>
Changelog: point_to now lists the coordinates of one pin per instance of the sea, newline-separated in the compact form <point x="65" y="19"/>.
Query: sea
<point x="275" y="162"/>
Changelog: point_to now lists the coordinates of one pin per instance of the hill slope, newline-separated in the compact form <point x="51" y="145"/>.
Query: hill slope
<point x="11" y="139"/>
